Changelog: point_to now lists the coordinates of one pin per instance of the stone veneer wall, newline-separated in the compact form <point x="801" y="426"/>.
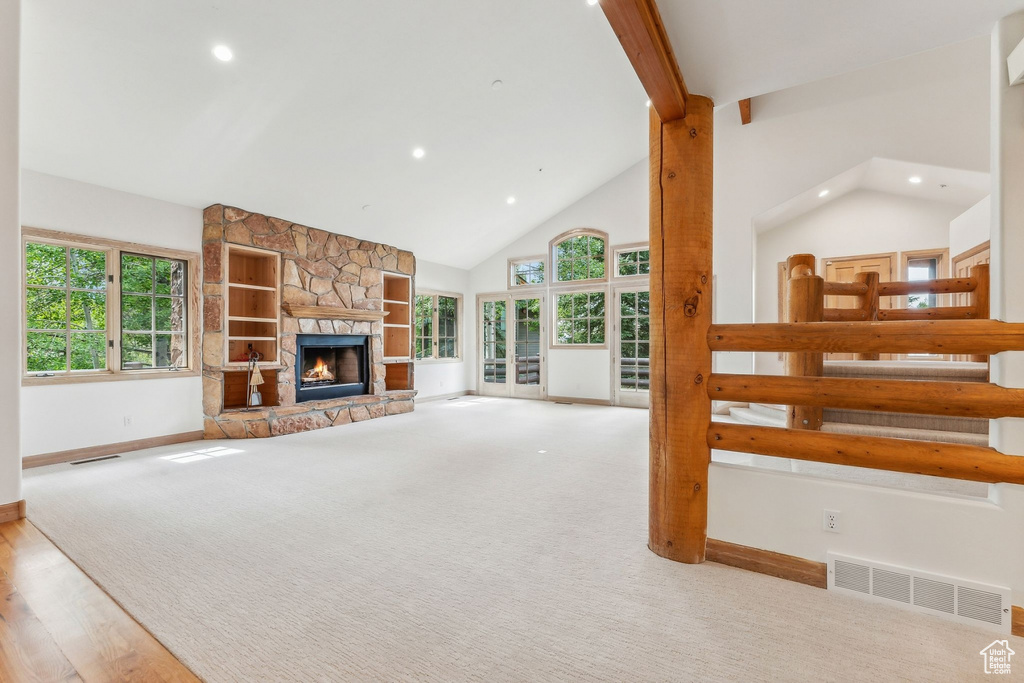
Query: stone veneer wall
<point x="319" y="268"/>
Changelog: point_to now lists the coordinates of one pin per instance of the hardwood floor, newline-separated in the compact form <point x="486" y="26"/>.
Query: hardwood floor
<point x="57" y="625"/>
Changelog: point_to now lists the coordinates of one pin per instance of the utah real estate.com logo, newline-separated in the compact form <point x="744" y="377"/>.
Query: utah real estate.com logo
<point x="997" y="657"/>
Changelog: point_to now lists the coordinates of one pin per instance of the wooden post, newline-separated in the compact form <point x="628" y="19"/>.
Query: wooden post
<point x="800" y="264"/>
<point x="681" y="232"/>
<point x="806" y="304"/>
<point x="979" y="299"/>
<point x="869" y="304"/>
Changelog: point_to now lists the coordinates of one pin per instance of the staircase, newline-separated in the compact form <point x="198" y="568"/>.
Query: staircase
<point x="961" y="430"/>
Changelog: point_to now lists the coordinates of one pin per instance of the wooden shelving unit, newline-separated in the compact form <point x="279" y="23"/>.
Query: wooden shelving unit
<point x="253" y="304"/>
<point x="398" y="331"/>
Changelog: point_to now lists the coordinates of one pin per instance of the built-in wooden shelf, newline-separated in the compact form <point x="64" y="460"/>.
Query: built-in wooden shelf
<point x="252" y="302"/>
<point x="335" y="312"/>
<point x="261" y="288"/>
<point x="399" y="370"/>
<point x="235" y="389"/>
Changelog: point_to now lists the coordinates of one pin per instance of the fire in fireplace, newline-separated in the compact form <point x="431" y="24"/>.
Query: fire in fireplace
<point x="331" y="366"/>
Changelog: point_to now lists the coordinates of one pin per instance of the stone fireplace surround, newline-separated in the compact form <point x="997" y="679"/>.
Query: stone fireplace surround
<point x="318" y="268"/>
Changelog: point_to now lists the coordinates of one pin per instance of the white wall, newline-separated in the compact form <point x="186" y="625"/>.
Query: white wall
<point x="443" y="377"/>
<point x="930" y="108"/>
<point x="619" y="208"/>
<point x="1007" y="230"/>
<point x="93" y="414"/>
<point x="971" y="228"/>
<point x="860" y="222"/>
<point x="10" y="234"/>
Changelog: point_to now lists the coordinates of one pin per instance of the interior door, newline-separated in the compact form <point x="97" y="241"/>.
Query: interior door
<point x="528" y="347"/>
<point x="846" y="270"/>
<point x="961" y="267"/>
<point x="493" y="318"/>
<point x="632" y="356"/>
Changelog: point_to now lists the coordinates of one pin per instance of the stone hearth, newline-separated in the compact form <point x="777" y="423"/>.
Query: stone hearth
<point x="318" y="269"/>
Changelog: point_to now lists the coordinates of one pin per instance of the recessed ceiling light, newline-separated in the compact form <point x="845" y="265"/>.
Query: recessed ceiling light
<point x="496" y="85"/>
<point x="418" y="153"/>
<point x="365" y="207"/>
<point x="823" y="193"/>
<point x="592" y="2"/>
<point x="915" y="179"/>
<point x="223" y="53"/>
<point x="511" y="200"/>
<point x="648" y="104"/>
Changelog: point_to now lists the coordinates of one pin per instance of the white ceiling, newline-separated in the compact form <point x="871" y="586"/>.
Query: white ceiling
<point x="732" y="49"/>
<point x="319" y="111"/>
<point x="946" y="185"/>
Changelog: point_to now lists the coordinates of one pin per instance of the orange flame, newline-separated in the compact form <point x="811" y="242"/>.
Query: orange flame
<point x="319" y="371"/>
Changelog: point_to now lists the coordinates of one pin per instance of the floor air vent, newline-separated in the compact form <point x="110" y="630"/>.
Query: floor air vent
<point x="964" y="601"/>
<point x="99" y="459"/>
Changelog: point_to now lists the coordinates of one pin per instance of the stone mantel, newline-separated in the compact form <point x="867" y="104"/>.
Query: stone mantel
<point x="329" y="284"/>
<point x="332" y="312"/>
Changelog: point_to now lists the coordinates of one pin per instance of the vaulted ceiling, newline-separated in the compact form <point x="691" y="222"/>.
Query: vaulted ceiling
<point x="316" y="117"/>
<point x="319" y="111"/>
<point x="735" y="49"/>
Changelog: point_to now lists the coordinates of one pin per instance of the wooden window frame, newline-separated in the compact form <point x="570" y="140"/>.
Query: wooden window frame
<point x="553" y="281"/>
<point x="513" y="262"/>
<point x="114" y="249"/>
<point x="460" y="335"/>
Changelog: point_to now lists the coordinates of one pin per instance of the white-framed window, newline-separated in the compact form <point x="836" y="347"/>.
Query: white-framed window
<point x="632" y="261"/>
<point x="579" y="255"/>
<point x="527" y="272"/>
<point x="438" y="316"/>
<point x="580" y="318"/>
<point x="98" y="309"/>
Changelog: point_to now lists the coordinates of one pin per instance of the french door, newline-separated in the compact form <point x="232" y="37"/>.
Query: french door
<point x="631" y="374"/>
<point x="512" y="358"/>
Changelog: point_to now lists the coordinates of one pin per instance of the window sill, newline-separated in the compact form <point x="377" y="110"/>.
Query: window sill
<point x="438" y="361"/>
<point x="86" y="378"/>
<point x="563" y="284"/>
<point x="580" y="347"/>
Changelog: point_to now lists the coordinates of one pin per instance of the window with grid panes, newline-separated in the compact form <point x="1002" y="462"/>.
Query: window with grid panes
<point x="437" y="326"/>
<point x="580" y="318"/>
<point x="153" y="312"/>
<point x="69" y="325"/>
<point x="581" y="257"/>
<point x="633" y="262"/>
<point x="635" y="341"/>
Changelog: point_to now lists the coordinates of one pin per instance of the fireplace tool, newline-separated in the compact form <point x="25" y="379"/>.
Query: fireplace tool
<point x="255" y="380"/>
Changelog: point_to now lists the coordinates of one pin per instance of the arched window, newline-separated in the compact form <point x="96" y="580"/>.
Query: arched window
<point x="580" y="255"/>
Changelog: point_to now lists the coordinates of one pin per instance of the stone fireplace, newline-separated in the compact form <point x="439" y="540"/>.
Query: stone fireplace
<point x="314" y="305"/>
<point x="331" y="366"/>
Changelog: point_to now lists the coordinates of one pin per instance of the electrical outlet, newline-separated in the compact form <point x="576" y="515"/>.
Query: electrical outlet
<point x="127" y="420"/>
<point x="830" y="521"/>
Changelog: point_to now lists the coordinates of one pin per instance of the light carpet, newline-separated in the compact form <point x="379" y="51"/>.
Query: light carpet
<point x="473" y="540"/>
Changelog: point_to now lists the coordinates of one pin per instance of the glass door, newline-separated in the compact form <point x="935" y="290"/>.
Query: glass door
<point x="493" y="347"/>
<point x="632" y="372"/>
<point x="527" y="348"/>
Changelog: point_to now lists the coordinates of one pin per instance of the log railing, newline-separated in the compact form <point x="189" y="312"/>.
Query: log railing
<point x="805" y="298"/>
<point x="960" y="399"/>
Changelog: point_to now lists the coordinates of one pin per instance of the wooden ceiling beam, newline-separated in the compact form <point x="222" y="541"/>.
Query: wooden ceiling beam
<point x="638" y="26"/>
<point x="745" y="111"/>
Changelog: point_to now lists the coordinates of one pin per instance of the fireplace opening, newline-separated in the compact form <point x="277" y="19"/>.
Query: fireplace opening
<point x="331" y="366"/>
